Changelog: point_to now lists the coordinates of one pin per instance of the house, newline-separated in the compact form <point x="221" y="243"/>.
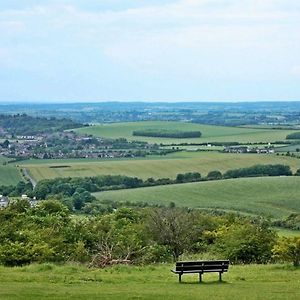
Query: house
<point x="237" y="149"/>
<point x="4" y="201"/>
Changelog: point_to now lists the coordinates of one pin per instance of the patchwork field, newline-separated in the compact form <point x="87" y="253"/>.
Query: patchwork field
<point x="149" y="282"/>
<point x="269" y="196"/>
<point x="209" y="133"/>
<point x="9" y="174"/>
<point x="156" y="167"/>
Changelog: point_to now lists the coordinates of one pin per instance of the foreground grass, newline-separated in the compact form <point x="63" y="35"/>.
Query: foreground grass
<point x="269" y="196"/>
<point x="157" y="167"/>
<point x="149" y="282"/>
<point x="209" y="133"/>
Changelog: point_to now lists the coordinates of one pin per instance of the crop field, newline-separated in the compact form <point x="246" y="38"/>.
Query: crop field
<point x="290" y="148"/>
<point x="48" y="281"/>
<point x="9" y="174"/>
<point x="269" y="196"/>
<point x="209" y="133"/>
<point x="156" y="167"/>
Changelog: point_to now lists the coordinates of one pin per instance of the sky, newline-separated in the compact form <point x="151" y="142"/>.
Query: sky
<point x="155" y="50"/>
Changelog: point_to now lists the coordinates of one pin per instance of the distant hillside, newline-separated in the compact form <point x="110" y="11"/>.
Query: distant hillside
<point x="22" y="124"/>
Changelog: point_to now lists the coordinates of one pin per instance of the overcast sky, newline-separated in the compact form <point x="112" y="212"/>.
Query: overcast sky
<point x="155" y="50"/>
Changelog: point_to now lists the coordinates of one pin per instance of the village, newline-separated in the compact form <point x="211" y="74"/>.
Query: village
<point x="5" y="200"/>
<point x="247" y="149"/>
<point x="70" y="145"/>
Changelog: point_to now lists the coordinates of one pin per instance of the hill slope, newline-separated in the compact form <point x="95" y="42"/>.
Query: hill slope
<point x="157" y="167"/>
<point x="268" y="196"/>
<point x="209" y="133"/>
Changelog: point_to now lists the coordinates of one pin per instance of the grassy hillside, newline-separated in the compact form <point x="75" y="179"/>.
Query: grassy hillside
<point x="9" y="174"/>
<point x="209" y="133"/>
<point x="150" y="282"/>
<point x="268" y="196"/>
<point x="158" y="167"/>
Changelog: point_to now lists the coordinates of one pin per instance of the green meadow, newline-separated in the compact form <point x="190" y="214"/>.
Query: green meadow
<point x="274" y="197"/>
<point x="156" y="167"/>
<point x="48" y="281"/>
<point x="209" y="133"/>
<point x="9" y="174"/>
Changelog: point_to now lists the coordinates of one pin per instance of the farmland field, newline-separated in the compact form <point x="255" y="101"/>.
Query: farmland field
<point x="269" y="196"/>
<point x="209" y="133"/>
<point x="48" y="281"/>
<point x="9" y="174"/>
<point x="156" y="167"/>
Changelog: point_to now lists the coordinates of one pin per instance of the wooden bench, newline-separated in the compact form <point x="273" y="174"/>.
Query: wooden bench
<point x="201" y="266"/>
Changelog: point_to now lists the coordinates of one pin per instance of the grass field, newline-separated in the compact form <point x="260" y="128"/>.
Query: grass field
<point x="287" y="232"/>
<point x="269" y="196"/>
<point x="156" y="167"/>
<point x="9" y="174"/>
<point x="47" y="281"/>
<point x="209" y="133"/>
<point x="290" y="148"/>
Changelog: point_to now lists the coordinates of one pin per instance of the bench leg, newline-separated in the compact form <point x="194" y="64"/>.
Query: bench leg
<point x="200" y="277"/>
<point x="220" y="276"/>
<point x="179" y="277"/>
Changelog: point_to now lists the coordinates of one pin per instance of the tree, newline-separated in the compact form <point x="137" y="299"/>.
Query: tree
<point x="245" y="243"/>
<point x="288" y="249"/>
<point x="214" y="175"/>
<point x="173" y="228"/>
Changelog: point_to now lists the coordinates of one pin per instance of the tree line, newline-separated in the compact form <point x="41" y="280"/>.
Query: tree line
<point x="163" y="133"/>
<point x="76" y="192"/>
<point x="22" y="124"/>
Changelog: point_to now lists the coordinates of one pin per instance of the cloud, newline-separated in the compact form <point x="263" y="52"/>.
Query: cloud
<point x="233" y="41"/>
<point x="296" y="70"/>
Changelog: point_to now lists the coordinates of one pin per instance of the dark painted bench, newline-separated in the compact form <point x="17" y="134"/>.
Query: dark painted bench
<point x="201" y="267"/>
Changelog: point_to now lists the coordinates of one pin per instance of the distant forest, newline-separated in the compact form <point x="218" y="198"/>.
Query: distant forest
<point x="214" y="113"/>
<point x="22" y="124"/>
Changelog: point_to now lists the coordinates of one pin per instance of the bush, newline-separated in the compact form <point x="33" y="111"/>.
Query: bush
<point x="245" y="243"/>
<point x="214" y="175"/>
<point x="288" y="249"/>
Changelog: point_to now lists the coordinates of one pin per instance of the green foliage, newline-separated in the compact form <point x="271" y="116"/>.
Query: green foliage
<point x="48" y="233"/>
<point x="17" y="190"/>
<point x="22" y="124"/>
<point x="293" y="136"/>
<point x="245" y="243"/>
<point x="214" y="175"/>
<point x="291" y="222"/>
<point x="259" y="170"/>
<point x="188" y="177"/>
<point x="164" y="133"/>
<point x="277" y="197"/>
<point x="288" y="249"/>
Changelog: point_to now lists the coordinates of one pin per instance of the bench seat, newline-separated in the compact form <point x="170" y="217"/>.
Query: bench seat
<point x="201" y="267"/>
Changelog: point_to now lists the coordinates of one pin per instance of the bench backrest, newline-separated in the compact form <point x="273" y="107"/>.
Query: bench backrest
<point x="202" y="265"/>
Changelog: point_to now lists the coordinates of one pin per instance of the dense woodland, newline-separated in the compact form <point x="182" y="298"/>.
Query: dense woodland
<point x="23" y="124"/>
<point x="229" y="114"/>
